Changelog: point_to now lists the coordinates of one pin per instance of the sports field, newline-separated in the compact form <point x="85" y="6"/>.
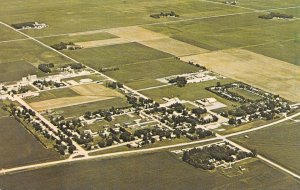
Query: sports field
<point x="73" y="96"/>
<point x="149" y="171"/>
<point x="79" y="110"/>
<point x="19" y="147"/>
<point x="279" y="143"/>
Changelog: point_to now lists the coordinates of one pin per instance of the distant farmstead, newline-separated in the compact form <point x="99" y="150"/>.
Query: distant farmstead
<point x="29" y="25"/>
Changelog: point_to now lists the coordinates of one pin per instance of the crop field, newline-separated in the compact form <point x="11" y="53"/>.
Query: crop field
<point x="103" y="174"/>
<point x="194" y="91"/>
<point x="53" y="94"/>
<point x="73" y="96"/>
<point x="14" y="71"/>
<point x="116" y="55"/>
<point x="23" y="149"/>
<point x="8" y="34"/>
<point x="76" y="38"/>
<point x="269" y="74"/>
<point x="149" y="71"/>
<point x="262" y="5"/>
<point x="79" y="110"/>
<point x="279" y="143"/>
<point x="282" y="50"/>
<point x="240" y="31"/>
<point x="30" y="52"/>
<point x="64" y="16"/>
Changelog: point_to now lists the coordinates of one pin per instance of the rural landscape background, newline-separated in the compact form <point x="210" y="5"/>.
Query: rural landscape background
<point x="149" y="94"/>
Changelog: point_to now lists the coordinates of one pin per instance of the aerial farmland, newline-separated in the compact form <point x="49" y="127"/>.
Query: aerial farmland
<point x="149" y="94"/>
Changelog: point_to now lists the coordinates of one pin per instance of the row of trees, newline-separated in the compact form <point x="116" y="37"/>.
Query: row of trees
<point x="46" y="67"/>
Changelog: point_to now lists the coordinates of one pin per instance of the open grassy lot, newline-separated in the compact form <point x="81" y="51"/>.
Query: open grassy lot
<point x="246" y="94"/>
<point x="30" y="52"/>
<point x="78" y="110"/>
<point x="53" y="94"/>
<point x="151" y="171"/>
<point x="74" y="95"/>
<point x="76" y="38"/>
<point x="14" y="71"/>
<point x="73" y="16"/>
<point x="8" y="34"/>
<point x="149" y="71"/>
<point x="279" y="143"/>
<point x="195" y="91"/>
<point x="19" y="147"/>
<point x="116" y="55"/>
<point x="97" y="126"/>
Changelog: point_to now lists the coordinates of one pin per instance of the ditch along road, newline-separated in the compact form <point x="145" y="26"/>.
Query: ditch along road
<point x="87" y="157"/>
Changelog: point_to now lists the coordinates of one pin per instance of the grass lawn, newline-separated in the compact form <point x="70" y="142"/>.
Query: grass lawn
<point x="78" y="110"/>
<point x="19" y="147"/>
<point x="146" y="72"/>
<point x="245" y="94"/>
<point x="53" y="94"/>
<point x="116" y="55"/>
<point x="232" y="129"/>
<point x="76" y="38"/>
<point x="195" y="91"/>
<point x="148" y="171"/>
<point x="278" y="143"/>
<point x="95" y="127"/>
<point x="14" y="71"/>
<point x="64" y="16"/>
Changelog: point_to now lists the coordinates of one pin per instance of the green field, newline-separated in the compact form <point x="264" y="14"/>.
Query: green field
<point x="30" y="52"/>
<point x="145" y="73"/>
<point x="194" y="91"/>
<point x="76" y="38"/>
<point x="53" y="94"/>
<point x="152" y="171"/>
<point x="19" y="147"/>
<point x="74" y="16"/>
<point x="283" y="50"/>
<point x="14" y="71"/>
<point x="245" y="94"/>
<point x="116" y="55"/>
<point x="278" y="143"/>
<point x="79" y="110"/>
<point x="9" y="34"/>
<point x="239" y="31"/>
<point x="263" y="5"/>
